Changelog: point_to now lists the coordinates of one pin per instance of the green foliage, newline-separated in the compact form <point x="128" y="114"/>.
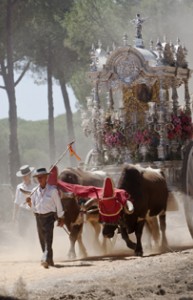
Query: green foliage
<point x="34" y="145"/>
<point x="88" y="21"/>
<point x="47" y="36"/>
<point x="69" y="28"/>
<point x="27" y="136"/>
<point x="81" y="85"/>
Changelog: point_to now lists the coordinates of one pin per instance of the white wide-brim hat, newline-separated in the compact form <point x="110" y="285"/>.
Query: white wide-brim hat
<point x="24" y="170"/>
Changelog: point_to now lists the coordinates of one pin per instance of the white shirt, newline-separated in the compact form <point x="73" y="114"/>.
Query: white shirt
<point x="20" y="198"/>
<point x="47" y="200"/>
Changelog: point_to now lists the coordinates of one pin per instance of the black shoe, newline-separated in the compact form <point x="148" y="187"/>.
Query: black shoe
<point x="45" y="264"/>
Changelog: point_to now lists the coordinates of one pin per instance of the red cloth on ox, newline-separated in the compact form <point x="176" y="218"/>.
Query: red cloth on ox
<point x="109" y="210"/>
<point x="53" y="176"/>
<point x="110" y="199"/>
<point x="109" y="206"/>
<point x="108" y="189"/>
<point x="91" y="191"/>
<point x="109" y="220"/>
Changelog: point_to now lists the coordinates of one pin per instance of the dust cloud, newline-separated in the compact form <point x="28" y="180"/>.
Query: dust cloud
<point x="14" y="247"/>
<point x="20" y="256"/>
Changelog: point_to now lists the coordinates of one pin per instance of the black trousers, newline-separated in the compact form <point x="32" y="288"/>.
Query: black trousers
<point x="45" y="227"/>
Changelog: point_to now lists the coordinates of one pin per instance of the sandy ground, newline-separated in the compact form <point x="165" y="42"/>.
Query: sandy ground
<point x="118" y="275"/>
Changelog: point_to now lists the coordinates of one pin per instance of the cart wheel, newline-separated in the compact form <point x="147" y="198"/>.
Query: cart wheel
<point x="187" y="185"/>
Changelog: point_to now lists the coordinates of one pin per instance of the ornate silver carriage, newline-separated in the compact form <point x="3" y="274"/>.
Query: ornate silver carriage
<point x="134" y="112"/>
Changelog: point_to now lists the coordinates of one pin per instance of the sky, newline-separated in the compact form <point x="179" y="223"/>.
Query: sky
<point x="32" y="100"/>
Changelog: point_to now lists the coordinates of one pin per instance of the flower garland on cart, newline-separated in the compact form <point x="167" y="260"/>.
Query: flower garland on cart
<point x="143" y="142"/>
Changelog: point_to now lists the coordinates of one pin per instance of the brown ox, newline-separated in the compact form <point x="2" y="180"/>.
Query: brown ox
<point x="149" y="190"/>
<point x="73" y="222"/>
<point x="72" y="206"/>
<point x="79" y="176"/>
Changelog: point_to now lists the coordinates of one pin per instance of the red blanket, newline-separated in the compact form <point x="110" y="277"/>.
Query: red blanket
<point x="109" y="209"/>
<point x="91" y="191"/>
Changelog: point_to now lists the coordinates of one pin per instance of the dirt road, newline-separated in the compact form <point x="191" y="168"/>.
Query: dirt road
<point x="119" y="275"/>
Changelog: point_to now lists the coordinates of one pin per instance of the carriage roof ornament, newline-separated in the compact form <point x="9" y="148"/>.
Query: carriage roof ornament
<point x="138" y="21"/>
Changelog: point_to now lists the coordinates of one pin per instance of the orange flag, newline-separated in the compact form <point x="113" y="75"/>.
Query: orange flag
<point x="72" y="152"/>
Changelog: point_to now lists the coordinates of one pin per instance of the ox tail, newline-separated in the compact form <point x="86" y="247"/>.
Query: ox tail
<point x="172" y="203"/>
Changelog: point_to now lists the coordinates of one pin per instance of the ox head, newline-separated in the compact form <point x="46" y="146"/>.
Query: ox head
<point x="131" y="181"/>
<point x="69" y="176"/>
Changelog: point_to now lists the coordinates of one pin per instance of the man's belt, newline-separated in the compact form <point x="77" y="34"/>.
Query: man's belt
<point x="45" y="215"/>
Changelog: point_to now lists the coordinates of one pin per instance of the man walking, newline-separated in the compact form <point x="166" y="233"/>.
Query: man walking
<point x="47" y="207"/>
<point x="22" y="212"/>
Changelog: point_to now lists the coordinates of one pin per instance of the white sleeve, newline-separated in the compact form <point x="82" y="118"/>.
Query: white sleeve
<point x="58" y="203"/>
<point x="33" y="196"/>
<point x="16" y="200"/>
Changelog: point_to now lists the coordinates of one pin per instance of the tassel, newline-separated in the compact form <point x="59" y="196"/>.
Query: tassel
<point x="72" y="152"/>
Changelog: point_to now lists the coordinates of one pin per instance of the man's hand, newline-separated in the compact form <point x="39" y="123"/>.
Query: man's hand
<point x="60" y="222"/>
<point x="28" y="201"/>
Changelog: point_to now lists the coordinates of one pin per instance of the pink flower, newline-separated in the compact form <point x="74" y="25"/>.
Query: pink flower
<point x="142" y="137"/>
<point x="114" y="139"/>
<point x="182" y="127"/>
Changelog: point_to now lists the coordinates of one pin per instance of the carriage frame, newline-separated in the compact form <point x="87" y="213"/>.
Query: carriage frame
<point x="134" y="112"/>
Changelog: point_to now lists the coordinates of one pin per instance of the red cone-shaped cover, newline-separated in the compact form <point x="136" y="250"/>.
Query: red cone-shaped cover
<point x="108" y="189"/>
<point x="109" y="206"/>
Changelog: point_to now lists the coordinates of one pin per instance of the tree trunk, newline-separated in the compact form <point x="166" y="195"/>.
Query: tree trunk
<point x="14" y="158"/>
<point x="69" y="116"/>
<point x="52" y="145"/>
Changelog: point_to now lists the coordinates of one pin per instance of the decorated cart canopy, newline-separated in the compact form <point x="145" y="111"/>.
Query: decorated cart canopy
<point x="134" y="112"/>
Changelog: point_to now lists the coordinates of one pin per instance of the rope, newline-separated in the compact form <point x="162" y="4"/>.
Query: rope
<point x="65" y="230"/>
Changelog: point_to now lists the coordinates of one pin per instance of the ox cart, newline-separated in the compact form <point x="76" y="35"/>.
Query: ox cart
<point x="135" y="114"/>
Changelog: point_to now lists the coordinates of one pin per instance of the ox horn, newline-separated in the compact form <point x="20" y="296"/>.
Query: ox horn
<point x="90" y="202"/>
<point x="129" y="208"/>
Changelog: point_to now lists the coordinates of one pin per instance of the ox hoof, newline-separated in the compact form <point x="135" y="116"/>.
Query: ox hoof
<point x="165" y="249"/>
<point x="83" y="255"/>
<point x="139" y="253"/>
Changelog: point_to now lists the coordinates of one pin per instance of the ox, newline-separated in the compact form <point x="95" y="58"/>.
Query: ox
<point x="72" y="206"/>
<point x="73" y="216"/>
<point x="79" y="176"/>
<point x="74" y="223"/>
<point x="149" y="190"/>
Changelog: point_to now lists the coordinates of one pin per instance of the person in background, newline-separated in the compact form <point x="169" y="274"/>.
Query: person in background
<point x="22" y="213"/>
<point x="47" y="207"/>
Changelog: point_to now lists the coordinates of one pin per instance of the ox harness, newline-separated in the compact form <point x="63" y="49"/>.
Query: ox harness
<point x="110" y="206"/>
<point x="110" y="200"/>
